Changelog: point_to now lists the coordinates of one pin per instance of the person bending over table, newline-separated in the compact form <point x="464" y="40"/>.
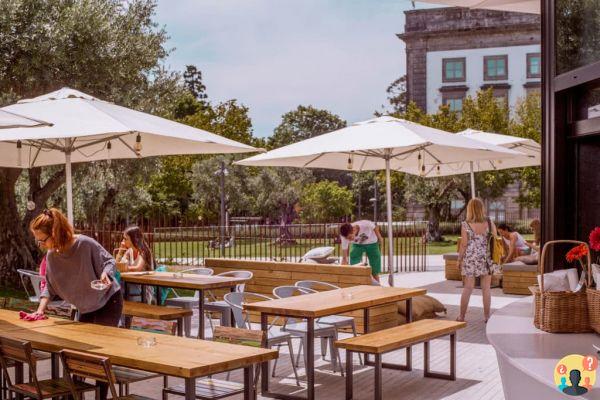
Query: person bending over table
<point x="365" y="237"/>
<point x="72" y="263"/>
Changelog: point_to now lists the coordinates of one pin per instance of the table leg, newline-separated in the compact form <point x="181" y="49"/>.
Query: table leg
<point x="378" y="381"/>
<point x="310" y="357"/>
<point x="409" y="319"/>
<point x="157" y="294"/>
<point x="349" y="362"/>
<point x="249" y="392"/>
<point x="190" y="388"/>
<point x="231" y="316"/>
<point x="55" y="365"/>
<point x="143" y="294"/>
<point x="19" y="377"/>
<point x="201" y="314"/>
<point x="365" y="331"/>
<point x="180" y="326"/>
<point x="264" y="368"/>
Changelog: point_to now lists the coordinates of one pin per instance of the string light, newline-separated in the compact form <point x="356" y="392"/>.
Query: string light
<point x="19" y="153"/>
<point x="421" y="165"/>
<point x="108" y="150"/>
<point x="138" y="145"/>
<point x="437" y="170"/>
<point x="350" y="164"/>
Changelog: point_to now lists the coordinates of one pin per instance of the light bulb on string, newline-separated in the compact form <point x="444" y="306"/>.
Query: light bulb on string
<point x="437" y="170"/>
<point x="108" y="151"/>
<point x="138" y="145"/>
<point x="19" y="153"/>
<point x="350" y="164"/>
<point x="421" y="165"/>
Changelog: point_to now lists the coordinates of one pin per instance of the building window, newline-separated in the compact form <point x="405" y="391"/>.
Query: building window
<point x="495" y="68"/>
<point x="534" y="65"/>
<point x="497" y="211"/>
<point x="499" y="91"/>
<point x="454" y="100"/>
<point x="453" y="70"/>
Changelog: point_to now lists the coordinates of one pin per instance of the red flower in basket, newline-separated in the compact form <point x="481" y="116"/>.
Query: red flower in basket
<point x="595" y="239"/>
<point x="577" y="253"/>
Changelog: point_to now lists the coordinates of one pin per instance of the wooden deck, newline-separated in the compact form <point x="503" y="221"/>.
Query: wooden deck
<point x="477" y="369"/>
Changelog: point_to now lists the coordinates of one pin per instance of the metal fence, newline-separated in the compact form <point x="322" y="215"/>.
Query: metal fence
<point x="191" y="245"/>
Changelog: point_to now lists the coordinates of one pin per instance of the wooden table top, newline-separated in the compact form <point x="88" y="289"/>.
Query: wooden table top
<point x="187" y="281"/>
<point x="172" y="355"/>
<point x="331" y="302"/>
<point x="155" y="312"/>
<point x="10" y="321"/>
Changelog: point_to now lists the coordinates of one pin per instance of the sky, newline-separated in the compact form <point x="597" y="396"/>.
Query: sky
<point x="273" y="55"/>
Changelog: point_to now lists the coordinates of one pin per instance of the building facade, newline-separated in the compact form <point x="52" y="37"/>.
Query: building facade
<point x="453" y="52"/>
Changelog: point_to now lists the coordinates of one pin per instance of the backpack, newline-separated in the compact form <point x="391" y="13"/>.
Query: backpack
<point x="495" y="245"/>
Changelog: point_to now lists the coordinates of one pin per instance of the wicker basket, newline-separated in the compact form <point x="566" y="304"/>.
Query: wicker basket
<point x="560" y="312"/>
<point x="593" y="299"/>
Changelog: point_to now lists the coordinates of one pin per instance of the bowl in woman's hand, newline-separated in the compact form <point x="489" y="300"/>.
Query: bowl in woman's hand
<point x="98" y="285"/>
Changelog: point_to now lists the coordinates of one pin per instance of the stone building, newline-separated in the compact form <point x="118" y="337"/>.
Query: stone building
<point x="453" y="52"/>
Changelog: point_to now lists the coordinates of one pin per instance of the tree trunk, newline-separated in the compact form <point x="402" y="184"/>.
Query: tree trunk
<point x="17" y="250"/>
<point x="433" y="224"/>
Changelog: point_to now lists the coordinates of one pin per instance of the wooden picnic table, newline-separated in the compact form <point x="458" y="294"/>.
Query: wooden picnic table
<point x="172" y="355"/>
<point x="199" y="283"/>
<point x="322" y="304"/>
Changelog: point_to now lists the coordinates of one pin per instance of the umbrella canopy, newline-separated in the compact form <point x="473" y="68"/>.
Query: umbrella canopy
<point x="10" y="120"/>
<point x="530" y="156"/>
<point x="381" y="143"/>
<point x="88" y="129"/>
<point x="524" y="6"/>
<point x="365" y="146"/>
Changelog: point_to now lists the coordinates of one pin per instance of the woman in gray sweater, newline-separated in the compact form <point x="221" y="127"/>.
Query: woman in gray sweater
<point x="73" y="262"/>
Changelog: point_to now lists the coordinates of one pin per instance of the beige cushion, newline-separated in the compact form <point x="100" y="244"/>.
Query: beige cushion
<point x="422" y="307"/>
<point x="451" y="256"/>
<point x="519" y="266"/>
<point x="596" y="275"/>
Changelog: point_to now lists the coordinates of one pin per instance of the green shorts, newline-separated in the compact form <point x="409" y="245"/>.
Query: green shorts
<point x="373" y="254"/>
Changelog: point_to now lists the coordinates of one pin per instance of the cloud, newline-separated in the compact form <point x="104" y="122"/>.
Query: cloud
<point x="273" y="55"/>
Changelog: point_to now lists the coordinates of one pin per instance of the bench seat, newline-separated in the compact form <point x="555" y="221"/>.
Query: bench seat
<point x="518" y="276"/>
<point x="400" y="336"/>
<point x="403" y="336"/>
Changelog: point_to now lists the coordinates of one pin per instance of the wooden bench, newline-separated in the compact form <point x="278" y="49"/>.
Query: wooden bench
<point x="517" y="277"/>
<point x="162" y="313"/>
<point x="381" y="342"/>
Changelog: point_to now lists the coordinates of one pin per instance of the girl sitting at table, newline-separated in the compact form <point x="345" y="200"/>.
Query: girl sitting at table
<point x="136" y="256"/>
<point x="72" y="263"/>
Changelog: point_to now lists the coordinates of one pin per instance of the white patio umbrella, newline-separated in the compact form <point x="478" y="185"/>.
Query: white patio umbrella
<point x="88" y="129"/>
<point x="10" y="120"/>
<point x="530" y="156"/>
<point x="383" y="143"/>
<point x="525" y="6"/>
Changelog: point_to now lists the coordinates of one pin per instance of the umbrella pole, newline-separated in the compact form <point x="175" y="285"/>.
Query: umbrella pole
<point x="472" y="181"/>
<point x="388" y="193"/>
<point x="69" y="178"/>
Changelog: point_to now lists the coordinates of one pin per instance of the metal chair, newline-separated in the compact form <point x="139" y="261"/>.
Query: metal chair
<point x="339" y="321"/>
<point x="275" y="337"/>
<point x="221" y="306"/>
<point x="188" y="302"/>
<point x="329" y="332"/>
<point x="89" y="366"/>
<point x="35" y="280"/>
<point x="18" y="351"/>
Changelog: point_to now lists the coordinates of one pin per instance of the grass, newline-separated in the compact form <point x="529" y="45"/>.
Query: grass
<point x="10" y="292"/>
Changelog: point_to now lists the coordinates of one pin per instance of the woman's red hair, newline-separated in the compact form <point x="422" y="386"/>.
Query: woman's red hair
<point x="53" y="223"/>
